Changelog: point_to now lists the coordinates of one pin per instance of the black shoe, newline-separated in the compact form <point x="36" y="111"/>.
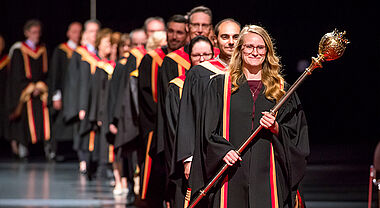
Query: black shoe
<point x="51" y="157"/>
<point x="83" y="172"/>
<point x="130" y="198"/>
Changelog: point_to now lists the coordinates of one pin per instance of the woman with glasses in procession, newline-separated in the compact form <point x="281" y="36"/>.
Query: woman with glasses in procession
<point x="200" y="50"/>
<point x="268" y="172"/>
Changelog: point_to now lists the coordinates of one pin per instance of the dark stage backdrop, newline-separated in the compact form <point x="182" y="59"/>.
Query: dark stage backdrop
<point x="341" y="100"/>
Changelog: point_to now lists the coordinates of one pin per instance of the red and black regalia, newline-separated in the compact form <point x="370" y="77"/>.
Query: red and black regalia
<point x="271" y="167"/>
<point x="99" y="111"/>
<point x="61" y="130"/>
<point x="174" y="64"/>
<point x="151" y="170"/>
<point x="29" y="112"/>
<point x="87" y="140"/>
<point x="183" y="126"/>
<point x="124" y="110"/>
<point x="4" y="68"/>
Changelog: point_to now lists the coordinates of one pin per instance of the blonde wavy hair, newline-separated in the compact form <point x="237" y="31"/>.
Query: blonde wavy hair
<point x="271" y="72"/>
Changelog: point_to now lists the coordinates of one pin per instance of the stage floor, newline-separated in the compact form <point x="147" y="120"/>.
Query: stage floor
<point x="327" y="184"/>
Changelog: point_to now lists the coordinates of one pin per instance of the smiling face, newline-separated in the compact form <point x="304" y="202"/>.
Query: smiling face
<point x="74" y="32"/>
<point x="253" y="51"/>
<point x="105" y="46"/>
<point x="33" y="34"/>
<point x="201" y="52"/>
<point x="200" y="24"/>
<point x="176" y="35"/>
<point x="91" y="30"/>
<point x="227" y="37"/>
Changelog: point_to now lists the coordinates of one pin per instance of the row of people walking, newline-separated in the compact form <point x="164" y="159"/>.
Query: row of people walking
<point x="172" y="109"/>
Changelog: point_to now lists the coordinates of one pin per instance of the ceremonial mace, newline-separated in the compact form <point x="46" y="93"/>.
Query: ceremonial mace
<point x="331" y="47"/>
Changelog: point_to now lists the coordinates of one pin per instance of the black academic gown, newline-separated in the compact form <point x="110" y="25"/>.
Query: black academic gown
<point x="88" y="140"/>
<point x="151" y="168"/>
<point x="4" y="128"/>
<point x="148" y="100"/>
<point x="30" y="116"/>
<point x="99" y="110"/>
<point x="174" y="64"/>
<point x="124" y="114"/>
<point x="188" y="123"/>
<point x="170" y="69"/>
<point x="71" y="92"/>
<point x="173" y="189"/>
<point x="61" y="130"/>
<point x="114" y="84"/>
<point x="124" y="103"/>
<point x="271" y="167"/>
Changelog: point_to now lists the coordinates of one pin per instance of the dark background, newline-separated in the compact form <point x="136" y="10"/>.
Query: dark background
<point x="341" y="100"/>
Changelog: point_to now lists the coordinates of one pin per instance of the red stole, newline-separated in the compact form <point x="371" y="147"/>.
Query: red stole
<point x="182" y="59"/>
<point x="158" y="56"/>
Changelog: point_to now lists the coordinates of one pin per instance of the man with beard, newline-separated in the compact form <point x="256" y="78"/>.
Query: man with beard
<point x="176" y="64"/>
<point x="152" y="173"/>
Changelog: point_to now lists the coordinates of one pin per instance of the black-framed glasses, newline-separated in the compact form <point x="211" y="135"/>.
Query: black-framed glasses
<point x="248" y="48"/>
<point x="204" y="55"/>
<point x="201" y="26"/>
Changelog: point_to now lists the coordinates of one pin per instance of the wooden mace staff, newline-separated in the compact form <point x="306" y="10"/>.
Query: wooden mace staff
<point x="331" y="47"/>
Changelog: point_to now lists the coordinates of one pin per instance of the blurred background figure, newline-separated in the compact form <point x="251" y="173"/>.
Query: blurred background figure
<point x="157" y="39"/>
<point x="4" y="63"/>
<point x="61" y="131"/>
<point x="28" y="91"/>
<point x="115" y="39"/>
<point x="124" y="45"/>
<point x="138" y="38"/>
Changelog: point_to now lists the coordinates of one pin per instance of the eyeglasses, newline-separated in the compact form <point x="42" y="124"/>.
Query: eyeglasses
<point x="248" y="49"/>
<point x="204" y="55"/>
<point x="201" y="26"/>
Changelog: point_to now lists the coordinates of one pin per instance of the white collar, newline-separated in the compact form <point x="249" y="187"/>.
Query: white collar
<point x="72" y="44"/>
<point x="91" y="48"/>
<point x="222" y="62"/>
<point x="31" y="44"/>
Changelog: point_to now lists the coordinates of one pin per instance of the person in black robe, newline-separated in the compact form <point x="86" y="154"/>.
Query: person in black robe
<point x="61" y="131"/>
<point x="200" y="49"/>
<point x="121" y="185"/>
<point x="98" y="107"/>
<point x="268" y="172"/>
<point x="123" y="102"/>
<point x="4" y="65"/>
<point x="76" y="95"/>
<point x="28" y="91"/>
<point x="197" y="78"/>
<point x="176" y="64"/>
<point x="151" y="168"/>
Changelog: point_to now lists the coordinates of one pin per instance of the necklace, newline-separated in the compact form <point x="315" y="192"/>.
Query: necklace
<point x="253" y="93"/>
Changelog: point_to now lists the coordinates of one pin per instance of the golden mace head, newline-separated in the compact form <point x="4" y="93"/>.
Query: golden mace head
<point x="332" y="45"/>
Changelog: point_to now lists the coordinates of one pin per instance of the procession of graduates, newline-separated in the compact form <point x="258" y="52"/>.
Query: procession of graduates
<point x="170" y="102"/>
